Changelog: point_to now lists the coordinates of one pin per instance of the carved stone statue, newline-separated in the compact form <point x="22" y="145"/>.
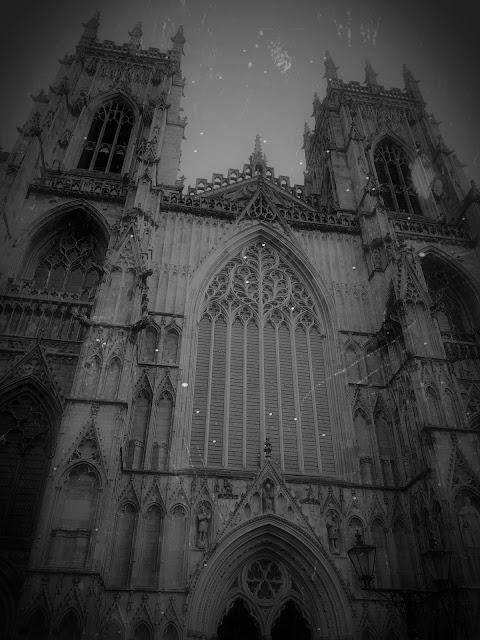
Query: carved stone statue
<point x="203" y="517"/>
<point x="469" y="521"/>
<point x="268" y="497"/>
<point x="333" y="535"/>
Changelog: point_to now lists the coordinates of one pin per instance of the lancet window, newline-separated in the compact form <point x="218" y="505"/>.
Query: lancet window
<point x="260" y="369"/>
<point x="395" y="179"/>
<point x="106" y="143"/>
<point x="24" y="449"/>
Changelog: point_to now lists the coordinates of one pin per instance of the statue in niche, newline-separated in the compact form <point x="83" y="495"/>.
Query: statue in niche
<point x="268" y="497"/>
<point x="333" y="532"/>
<point x="469" y="521"/>
<point x="203" y="517"/>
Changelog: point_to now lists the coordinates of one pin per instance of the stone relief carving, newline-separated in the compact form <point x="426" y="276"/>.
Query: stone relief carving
<point x="204" y="515"/>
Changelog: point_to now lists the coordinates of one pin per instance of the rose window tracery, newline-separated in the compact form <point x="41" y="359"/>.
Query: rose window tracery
<point x="264" y="579"/>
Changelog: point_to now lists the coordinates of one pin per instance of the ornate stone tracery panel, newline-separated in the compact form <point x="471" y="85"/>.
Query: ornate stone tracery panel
<point x="260" y="369"/>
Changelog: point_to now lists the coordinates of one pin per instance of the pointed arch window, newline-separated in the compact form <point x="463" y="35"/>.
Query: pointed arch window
<point x="123" y="544"/>
<point x="70" y="264"/>
<point x="25" y="436"/>
<point x="395" y="179"/>
<point x="260" y="369"/>
<point x="138" y="433"/>
<point x="75" y="517"/>
<point x="106" y="143"/>
<point x="151" y="546"/>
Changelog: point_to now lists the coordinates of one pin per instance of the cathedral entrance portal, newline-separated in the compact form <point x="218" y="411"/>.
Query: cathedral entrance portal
<point x="268" y="579"/>
<point x="239" y="624"/>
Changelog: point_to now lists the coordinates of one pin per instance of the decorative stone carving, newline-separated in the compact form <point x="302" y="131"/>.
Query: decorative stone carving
<point x="332" y="523"/>
<point x="268" y="496"/>
<point x="469" y="523"/>
<point x="82" y="100"/>
<point x="65" y="138"/>
<point x="204" y="515"/>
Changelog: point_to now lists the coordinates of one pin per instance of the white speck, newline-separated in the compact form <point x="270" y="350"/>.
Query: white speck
<point x="156" y="350"/>
<point x="184" y="384"/>
<point x="247" y="281"/>
<point x="354" y="267"/>
<point x="220" y="77"/>
<point x="270" y="414"/>
<point x="260" y="33"/>
<point x="250" y="65"/>
<point x="295" y="418"/>
<point x="201" y="133"/>
<point x="193" y="81"/>
<point x="214" y="441"/>
<point x="348" y="189"/>
<point x="195" y="151"/>
<point x="421" y="254"/>
<point x="244" y="51"/>
<point x="197" y="411"/>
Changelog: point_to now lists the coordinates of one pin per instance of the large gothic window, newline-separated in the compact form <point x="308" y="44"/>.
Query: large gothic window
<point x="106" y="143"/>
<point x="24" y="449"/>
<point x="70" y="264"/>
<point x="260" y="369"/>
<point x="394" y="177"/>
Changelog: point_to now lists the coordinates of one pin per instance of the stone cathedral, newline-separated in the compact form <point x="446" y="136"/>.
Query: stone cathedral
<point x="209" y="394"/>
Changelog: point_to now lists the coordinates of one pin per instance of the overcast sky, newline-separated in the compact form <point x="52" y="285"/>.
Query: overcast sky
<point x="253" y="65"/>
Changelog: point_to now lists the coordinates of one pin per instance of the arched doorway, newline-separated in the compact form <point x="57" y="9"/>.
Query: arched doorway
<point x="238" y="624"/>
<point x="273" y="576"/>
<point x="290" y="624"/>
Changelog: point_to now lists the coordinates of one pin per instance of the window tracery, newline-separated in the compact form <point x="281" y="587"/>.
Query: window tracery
<point x="24" y="449"/>
<point x="260" y="369"/>
<point x="71" y="265"/>
<point x="106" y="143"/>
<point x="264" y="579"/>
<point x="394" y="175"/>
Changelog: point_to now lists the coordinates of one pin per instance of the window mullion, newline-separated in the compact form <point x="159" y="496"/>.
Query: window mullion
<point x="226" y="411"/>
<point x="112" y="150"/>
<point x="99" y="139"/>
<point x="392" y="187"/>
<point x="405" y="189"/>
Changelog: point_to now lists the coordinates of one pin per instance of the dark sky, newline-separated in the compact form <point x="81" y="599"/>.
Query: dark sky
<point x="253" y="65"/>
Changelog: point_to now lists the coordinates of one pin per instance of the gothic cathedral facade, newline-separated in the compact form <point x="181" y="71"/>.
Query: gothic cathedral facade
<point x="207" y="395"/>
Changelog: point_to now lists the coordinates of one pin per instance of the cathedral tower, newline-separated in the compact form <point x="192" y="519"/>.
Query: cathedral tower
<point x="206" y="394"/>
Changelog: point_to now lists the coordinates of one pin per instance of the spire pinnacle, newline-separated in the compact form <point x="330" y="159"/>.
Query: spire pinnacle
<point x="370" y="75"/>
<point x="136" y="35"/>
<point x="410" y="82"/>
<point x="330" y="68"/>
<point x="90" y="29"/>
<point x="258" y="156"/>
<point x="178" y="39"/>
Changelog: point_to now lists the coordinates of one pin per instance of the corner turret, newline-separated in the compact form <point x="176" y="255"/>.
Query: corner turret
<point x="330" y="67"/>
<point x="258" y="160"/>
<point x="136" y="36"/>
<point x="370" y="75"/>
<point x="411" y="83"/>
<point x="90" y="30"/>
<point x="178" y="41"/>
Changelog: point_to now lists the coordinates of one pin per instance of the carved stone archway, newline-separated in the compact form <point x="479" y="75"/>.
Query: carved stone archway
<point x="267" y="563"/>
